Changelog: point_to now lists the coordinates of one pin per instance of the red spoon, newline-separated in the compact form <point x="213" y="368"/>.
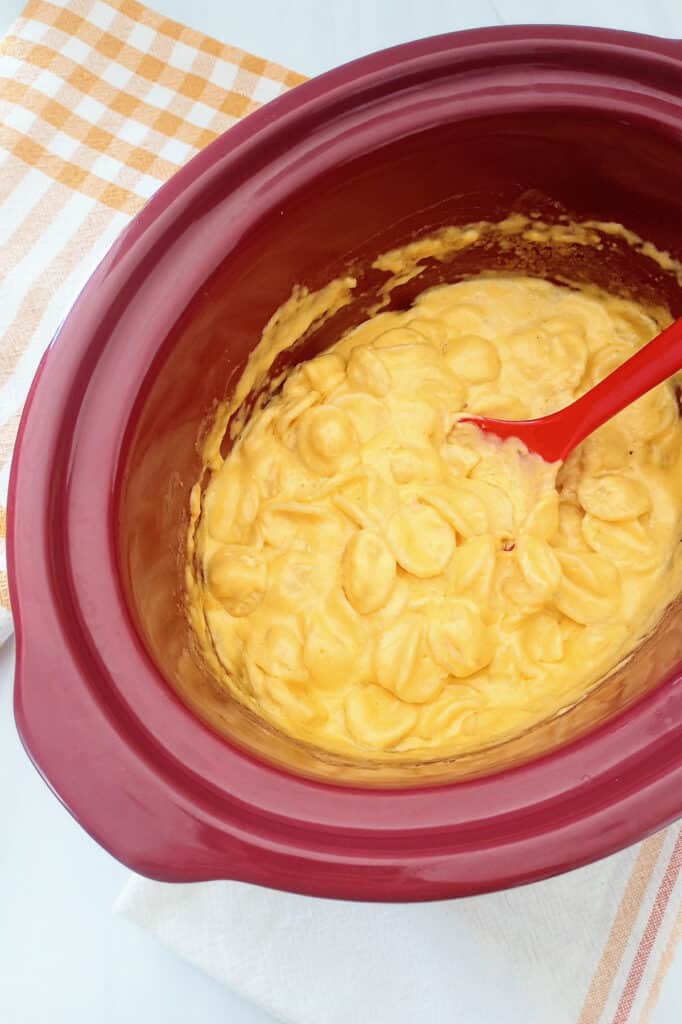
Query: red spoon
<point x="555" y="436"/>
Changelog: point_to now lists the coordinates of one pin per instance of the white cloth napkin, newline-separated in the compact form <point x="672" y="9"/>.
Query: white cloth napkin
<point x="576" y="949"/>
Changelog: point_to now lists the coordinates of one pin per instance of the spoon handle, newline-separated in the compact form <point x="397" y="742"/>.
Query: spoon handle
<point x="653" y="364"/>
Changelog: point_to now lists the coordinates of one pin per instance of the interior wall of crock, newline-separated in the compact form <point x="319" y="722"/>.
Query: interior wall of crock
<point x="450" y="174"/>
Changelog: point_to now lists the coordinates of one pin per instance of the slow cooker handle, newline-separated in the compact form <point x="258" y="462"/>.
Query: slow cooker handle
<point x="115" y="792"/>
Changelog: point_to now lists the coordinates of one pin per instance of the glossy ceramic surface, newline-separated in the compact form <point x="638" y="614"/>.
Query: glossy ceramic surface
<point x="445" y="130"/>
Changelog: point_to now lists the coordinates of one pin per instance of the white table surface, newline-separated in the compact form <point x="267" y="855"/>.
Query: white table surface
<point x="63" y="956"/>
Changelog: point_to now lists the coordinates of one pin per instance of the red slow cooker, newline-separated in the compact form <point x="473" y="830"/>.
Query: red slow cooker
<point x="157" y="764"/>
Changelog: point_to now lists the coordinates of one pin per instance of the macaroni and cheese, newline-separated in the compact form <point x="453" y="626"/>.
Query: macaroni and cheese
<point x="380" y="579"/>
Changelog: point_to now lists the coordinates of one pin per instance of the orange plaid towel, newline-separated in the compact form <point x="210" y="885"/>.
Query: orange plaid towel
<point x="100" y="102"/>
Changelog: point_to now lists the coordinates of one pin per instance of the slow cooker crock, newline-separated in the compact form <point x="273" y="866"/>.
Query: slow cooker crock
<point x="168" y="774"/>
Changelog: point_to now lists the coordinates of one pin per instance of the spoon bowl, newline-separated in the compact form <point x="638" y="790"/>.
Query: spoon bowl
<point x="555" y="436"/>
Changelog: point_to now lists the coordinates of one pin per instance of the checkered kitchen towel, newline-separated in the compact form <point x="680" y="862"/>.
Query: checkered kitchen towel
<point x="100" y="102"/>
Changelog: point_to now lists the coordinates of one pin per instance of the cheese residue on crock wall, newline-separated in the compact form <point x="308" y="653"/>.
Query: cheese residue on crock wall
<point x="378" y="579"/>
